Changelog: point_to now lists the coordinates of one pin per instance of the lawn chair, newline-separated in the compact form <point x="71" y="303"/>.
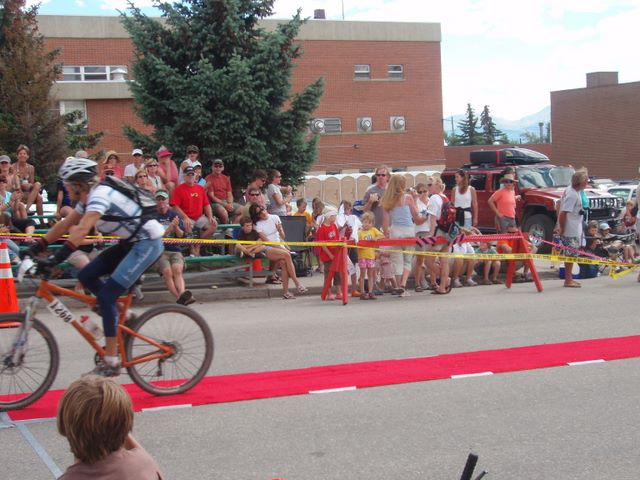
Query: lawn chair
<point x="295" y="231"/>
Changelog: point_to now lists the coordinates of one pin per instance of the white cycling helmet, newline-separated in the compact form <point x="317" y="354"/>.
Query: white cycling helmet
<point x="78" y="170"/>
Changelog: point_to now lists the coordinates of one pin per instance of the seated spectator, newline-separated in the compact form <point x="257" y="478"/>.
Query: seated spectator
<point x="14" y="250"/>
<point x="221" y="194"/>
<point x="63" y="201"/>
<point x="255" y="197"/>
<point x="463" y="264"/>
<point x="167" y="168"/>
<point x="301" y="211"/>
<point x="141" y="179"/>
<point x="594" y="240"/>
<point x="26" y="177"/>
<point x="171" y="263"/>
<point x="7" y="172"/>
<point x="190" y="202"/>
<point x="193" y="158"/>
<point x="629" y="219"/>
<point x="111" y="165"/>
<point x="277" y="197"/>
<point x="151" y="166"/>
<point x="257" y="182"/>
<point x="489" y="269"/>
<point x="197" y="167"/>
<point x="138" y="163"/>
<point x="269" y="229"/>
<point x="614" y="246"/>
<point x="13" y="211"/>
<point x="95" y="415"/>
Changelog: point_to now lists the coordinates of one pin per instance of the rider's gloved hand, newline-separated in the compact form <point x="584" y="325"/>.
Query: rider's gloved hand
<point x="39" y="246"/>
<point x="45" y="266"/>
<point x="67" y="249"/>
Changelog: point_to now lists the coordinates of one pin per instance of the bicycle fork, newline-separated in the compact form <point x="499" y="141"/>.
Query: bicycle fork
<point x="20" y="344"/>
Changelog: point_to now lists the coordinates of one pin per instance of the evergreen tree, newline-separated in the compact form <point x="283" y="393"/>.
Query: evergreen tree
<point x="78" y="136"/>
<point x="27" y="71"/>
<point x="209" y="76"/>
<point x="490" y="132"/>
<point x="469" y="134"/>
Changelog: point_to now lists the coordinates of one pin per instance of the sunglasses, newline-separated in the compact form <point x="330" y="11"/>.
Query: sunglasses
<point x="508" y="182"/>
<point x="422" y="191"/>
<point x="142" y="176"/>
<point x="254" y="194"/>
<point x="382" y="175"/>
<point x="152" y="165"/>
<point x="429" y="184"/>
<point x="190" y="174"/>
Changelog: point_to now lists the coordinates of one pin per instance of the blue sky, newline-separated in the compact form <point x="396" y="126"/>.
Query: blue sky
<point x="508" y="54"/>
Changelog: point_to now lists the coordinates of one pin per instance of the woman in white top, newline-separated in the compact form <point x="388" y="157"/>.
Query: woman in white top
<point x="464" y="198"/>
<point x="269" y="228"/>
<point x="434" y="209"/>
<point x="422" y="229"/>
<point x="151" y="166"/>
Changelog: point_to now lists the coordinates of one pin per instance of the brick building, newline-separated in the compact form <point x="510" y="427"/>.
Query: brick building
<point x="382" y="100"/>
<point x="597" y="126"/>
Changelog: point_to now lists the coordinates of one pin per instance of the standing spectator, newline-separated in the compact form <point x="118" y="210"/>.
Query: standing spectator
<point x="434" y="210"/>
<point x="167" y="168"/>
<point x="190" y="202"/>
<point x="503" y="203"/>
<point x="151" y="166"/>
<point x="193" y="157"/>
<point x="96" y="416"/>
<point x="348" y="224"/>
<point x="570" y="223"/>
<point x="399" y="214"/>
<point x="221" y="194"/>
<point x="138" y="163"/>
<point x="374" y="193"/>
<point x="26" y="177"/>
<point x="422" y="230"/>
<point x="628" y="218"/>
<point x="328" y="232"/>
<point x="276" y="201"/>
<point x="111" y="164"/>
<point x="171" y="263"/>
<point x="367" y="256"/>
<point x="269" y="229"/>
<point x="464" y="198"/>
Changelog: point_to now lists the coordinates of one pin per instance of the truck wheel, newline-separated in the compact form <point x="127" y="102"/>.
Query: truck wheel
<point x="541" y="226"/>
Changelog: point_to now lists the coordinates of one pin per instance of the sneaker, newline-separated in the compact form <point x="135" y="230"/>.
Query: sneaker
<point x="404" y="293"/>
<point x="103" y="369"/>
<point x="185" y="298"/>
<point x="470" y="283"/>
<point x="378" y="292"/>
<point x="365" y="296"/>
<point x="456" y="283"/>
<point x="372" y="296"/>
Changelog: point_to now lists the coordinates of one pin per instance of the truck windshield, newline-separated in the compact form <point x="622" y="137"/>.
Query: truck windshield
<point x="544" y="177"/>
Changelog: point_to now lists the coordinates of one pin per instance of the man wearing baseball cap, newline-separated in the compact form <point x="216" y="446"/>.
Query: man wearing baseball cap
<point x="193" y="154"/>
<point x="220" y="194"/>
<point x="131" y="169"/>
<point x="190" y="202"/>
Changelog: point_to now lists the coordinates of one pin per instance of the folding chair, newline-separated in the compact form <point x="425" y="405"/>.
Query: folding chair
<point x="295" y="230"/>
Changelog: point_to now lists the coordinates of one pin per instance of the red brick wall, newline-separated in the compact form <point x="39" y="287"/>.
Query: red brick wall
<point x="418" y="98"/>
<point x="458" y="156"/>
<point x="598" y="128"/>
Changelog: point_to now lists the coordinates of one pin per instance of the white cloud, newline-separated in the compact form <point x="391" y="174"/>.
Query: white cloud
<point x="80" y="3"/>
<point x="122" y="4"/>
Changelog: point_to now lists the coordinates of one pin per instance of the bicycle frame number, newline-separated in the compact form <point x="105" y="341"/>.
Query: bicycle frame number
<point x="60" y="310"/>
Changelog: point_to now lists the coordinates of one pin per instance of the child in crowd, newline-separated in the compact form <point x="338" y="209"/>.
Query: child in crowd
<point x="387" y="272"/>
<point x="615" y="246"/>
<point x="328" y="232"/>
<point x="367" y="256"/>
<point x="96" y="416"/>
<point x="349" y="225"/>
<point x="463" y="264"/>
<point x="317" y="207"/>
<point x="301" y="211"/>
<point x="507" y="246"/>
<point x="247" y="233"/>
<point x="487" y="268"/>
<point x="629" y="220"/>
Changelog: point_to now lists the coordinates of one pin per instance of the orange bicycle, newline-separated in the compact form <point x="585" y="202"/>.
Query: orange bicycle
<point x="168" y="349"/>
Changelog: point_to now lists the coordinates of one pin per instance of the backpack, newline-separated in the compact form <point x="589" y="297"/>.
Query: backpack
<point x="144" y="198"/>
<point x="447" y="218"/>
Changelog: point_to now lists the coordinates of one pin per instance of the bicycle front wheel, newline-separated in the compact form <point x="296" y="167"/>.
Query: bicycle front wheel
<point x="191" y="342"/>
<point x="26" y="377"/>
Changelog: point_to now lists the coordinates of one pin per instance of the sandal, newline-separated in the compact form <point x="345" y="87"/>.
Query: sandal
<point x="302" y="290"/>
<point x="419" y="289"/>
<point x="288" y="296"/>
<point x="273" y="281"/>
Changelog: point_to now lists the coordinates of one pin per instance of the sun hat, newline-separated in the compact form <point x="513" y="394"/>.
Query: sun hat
<point x="163" y="152"/>
<point x="507" y="177"/>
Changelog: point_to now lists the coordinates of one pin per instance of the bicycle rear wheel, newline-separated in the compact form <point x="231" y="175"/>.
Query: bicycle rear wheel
<point x="26" y="379"/>
<point x="187" y="333"/>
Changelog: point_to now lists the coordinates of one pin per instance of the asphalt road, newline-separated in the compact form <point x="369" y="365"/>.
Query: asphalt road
<point x="558" y="423"/>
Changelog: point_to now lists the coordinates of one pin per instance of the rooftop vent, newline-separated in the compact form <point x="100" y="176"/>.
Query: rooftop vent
<point x="601" y="79"/>
<point x="319" y="14"/>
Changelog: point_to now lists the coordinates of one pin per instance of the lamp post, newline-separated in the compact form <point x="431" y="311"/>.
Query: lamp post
<point x="541" y="125"/>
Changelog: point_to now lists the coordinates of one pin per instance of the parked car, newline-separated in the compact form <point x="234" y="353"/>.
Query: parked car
<point x="540" y="186"/>
<point x="626" y="191"/>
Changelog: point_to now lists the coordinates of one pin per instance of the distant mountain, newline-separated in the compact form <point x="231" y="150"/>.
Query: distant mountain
<point x="513" y="128"/>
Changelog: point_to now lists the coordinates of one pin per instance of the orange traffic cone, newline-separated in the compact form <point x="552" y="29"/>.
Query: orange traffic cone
<point x="8" y="296"/>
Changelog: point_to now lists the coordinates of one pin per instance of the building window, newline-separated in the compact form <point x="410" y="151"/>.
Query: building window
<point x="395" y="71"/>
<point x="68" y="106"/>
<point x="94" y="73"/>
<point x="362" y="72"/>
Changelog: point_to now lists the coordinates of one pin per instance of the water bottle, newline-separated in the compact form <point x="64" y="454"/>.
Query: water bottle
<point x="92" y="327"/>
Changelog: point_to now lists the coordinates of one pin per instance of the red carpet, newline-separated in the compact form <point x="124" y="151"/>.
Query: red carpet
<point x="250" y="386"/>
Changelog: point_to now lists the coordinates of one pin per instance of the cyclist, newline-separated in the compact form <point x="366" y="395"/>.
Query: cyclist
<point x="113" y="213"/>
